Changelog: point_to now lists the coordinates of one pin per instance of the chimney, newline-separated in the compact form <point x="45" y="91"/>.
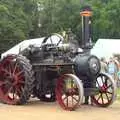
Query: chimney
<point x="86" y="14"/>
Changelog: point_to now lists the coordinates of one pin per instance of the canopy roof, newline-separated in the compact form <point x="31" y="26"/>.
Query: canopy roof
<point x="37" y="41"/>
<point x="106" y="48"/>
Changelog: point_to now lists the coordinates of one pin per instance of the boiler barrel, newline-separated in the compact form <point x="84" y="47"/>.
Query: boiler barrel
<point x="87" y="65"/>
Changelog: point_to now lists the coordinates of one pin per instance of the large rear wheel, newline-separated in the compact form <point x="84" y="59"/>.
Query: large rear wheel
<point x="69" y="91"/>
<point x="16" y="79"/>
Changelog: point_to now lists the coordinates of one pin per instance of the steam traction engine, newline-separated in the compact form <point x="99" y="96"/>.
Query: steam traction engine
<point x="56" y="71"/>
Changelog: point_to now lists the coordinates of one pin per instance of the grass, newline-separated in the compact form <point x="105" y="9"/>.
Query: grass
<point x="118" y="94"/>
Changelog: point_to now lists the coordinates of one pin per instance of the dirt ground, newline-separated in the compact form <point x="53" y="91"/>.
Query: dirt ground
<point x="36" y="110"/>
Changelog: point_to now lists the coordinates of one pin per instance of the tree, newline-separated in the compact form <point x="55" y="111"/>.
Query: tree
<point x="25" y="19"/>
<point x="59" y="16"/>
<point x="16" y="21"/>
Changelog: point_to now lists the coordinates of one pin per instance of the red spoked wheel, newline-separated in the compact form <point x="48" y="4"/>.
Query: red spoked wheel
<point x="13" y="71"/>
<point x="69" y="92"/>
<point x="106" y="90"/>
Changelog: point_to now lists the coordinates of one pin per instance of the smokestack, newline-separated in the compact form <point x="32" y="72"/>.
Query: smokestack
<point x="86" y="14"/>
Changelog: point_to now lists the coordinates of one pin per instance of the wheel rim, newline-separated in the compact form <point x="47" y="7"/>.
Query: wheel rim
<point x="68" y="93"/>
<point x="11" y="81"/>
<point x="106" y="90"/>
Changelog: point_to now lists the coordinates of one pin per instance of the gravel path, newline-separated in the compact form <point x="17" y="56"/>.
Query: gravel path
<point x="36" y="110"/>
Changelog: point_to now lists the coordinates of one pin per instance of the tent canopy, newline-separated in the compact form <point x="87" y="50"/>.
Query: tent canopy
<point x="106" y="48"/>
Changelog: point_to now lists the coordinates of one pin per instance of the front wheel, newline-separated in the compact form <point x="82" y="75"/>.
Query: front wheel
<point x="106" y="90"/>
<point x="69" y="91"/>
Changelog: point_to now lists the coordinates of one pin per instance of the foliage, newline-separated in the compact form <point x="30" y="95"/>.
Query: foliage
<point x="24" y="19"/>
<point x="60" y="15"/>
<point x="16" y="21"/>
<point x="118" y="94"/>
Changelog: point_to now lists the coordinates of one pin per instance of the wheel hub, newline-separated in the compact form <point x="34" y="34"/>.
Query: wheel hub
<point x="103" y="89"/>
<point x="70" y="91"/>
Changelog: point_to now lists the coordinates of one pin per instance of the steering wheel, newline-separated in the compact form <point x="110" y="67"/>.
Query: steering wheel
<point x="53" y="40"/>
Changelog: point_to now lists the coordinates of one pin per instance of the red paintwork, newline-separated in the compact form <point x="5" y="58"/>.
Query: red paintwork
<point x="69" y="95"/>
<point x="11" y="80"/>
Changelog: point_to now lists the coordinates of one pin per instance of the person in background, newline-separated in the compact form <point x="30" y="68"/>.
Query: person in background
<point x="103" y="65"/>
<point x="117" y="63"/>
<point x="117" y="75"/>
<point x="112" y="68"/>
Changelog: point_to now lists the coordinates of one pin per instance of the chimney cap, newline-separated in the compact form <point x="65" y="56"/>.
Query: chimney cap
<point x="86" y="11"/>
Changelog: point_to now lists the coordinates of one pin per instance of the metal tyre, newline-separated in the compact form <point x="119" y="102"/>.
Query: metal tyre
<point x="16" y="80"/>
<point x="106" y="90"/>
<point x="69" y="91"/>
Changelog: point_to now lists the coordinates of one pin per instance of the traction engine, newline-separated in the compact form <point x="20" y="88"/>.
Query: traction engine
<point x="56" y="71"/>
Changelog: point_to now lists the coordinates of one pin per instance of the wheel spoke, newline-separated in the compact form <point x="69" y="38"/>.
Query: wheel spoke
<point x="98" y="83"/>
<point x="19" y="73"/>
<point x="17" y="90"/>
<point x="21" y="82"/>
<point x="106" y="81"/>
<point x="2" y="83"/>
<point x="109" y="92"/>
<point x="15" y="68"/>
<point x="72" y="100"/>
<point x="20" y="79"/>
<point x="10" y="69"/>
<point x="99" y="97"/>
<point x="8" y="91"/>
<point x="67" y="101"/>
<point x="75" y="99"/>
<point x="6" y="71"/>
<point x="64" y="98"/>
<point x="109" y="86"/>
<point x="107" y="96"/>
<point x="102" y="78"/>
<point x="13" y="94"/>
<point x="102" y="98"/>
